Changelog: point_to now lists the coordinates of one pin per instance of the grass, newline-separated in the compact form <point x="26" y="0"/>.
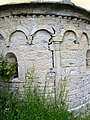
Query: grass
<point x="33" y="107"/>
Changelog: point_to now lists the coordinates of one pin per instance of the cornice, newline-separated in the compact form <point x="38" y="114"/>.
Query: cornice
<point x="46" y="8"/>
<point x="61" y="17"/>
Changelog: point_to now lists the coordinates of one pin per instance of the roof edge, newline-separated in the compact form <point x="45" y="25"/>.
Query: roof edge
<point x="42" y="2"/>
<point x="46" y="2"/>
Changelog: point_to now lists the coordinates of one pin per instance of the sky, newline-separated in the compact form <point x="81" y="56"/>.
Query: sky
<point x="82" y="3"/>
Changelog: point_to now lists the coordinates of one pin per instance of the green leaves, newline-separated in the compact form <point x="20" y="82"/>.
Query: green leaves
<point x="7" y="70"/>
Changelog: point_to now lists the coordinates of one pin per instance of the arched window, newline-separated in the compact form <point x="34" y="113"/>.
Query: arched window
<point x="88" y="58"/>
<point x="12" y="58"/>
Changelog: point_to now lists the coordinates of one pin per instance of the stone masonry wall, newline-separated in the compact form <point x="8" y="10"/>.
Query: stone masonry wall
<point x="54" y="45"/>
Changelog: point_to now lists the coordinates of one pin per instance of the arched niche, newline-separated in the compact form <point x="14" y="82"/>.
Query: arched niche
<point x="18" y="38"/>
<point x="69" y="49"/>
<point x="88" y="58"/>
<point x="85" y="39"/>
<point x="11" y="58"/>
<point x="70" y="36"/>
<point x="42" y="57"/>
<point x="41" y="37"/>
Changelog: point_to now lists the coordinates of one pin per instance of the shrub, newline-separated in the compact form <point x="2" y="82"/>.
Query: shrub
<point x="34" y="106"/>
<point x="7" y="69"/>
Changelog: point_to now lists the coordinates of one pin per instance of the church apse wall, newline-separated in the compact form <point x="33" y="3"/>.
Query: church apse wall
<point x="57" y="43"/>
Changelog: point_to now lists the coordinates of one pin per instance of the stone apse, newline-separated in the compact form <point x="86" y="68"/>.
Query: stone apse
<point x="55" y="39"/>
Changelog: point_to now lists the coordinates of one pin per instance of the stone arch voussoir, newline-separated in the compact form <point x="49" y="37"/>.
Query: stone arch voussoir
<point x="42" y="30"/>
<point x="21" y="29"/>
<point x="74" y="33"/>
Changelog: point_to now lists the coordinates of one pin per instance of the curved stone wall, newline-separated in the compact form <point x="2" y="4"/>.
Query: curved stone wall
<point x="57" y="44"/>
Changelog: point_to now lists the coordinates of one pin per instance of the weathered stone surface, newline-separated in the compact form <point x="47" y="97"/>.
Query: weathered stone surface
<point x="54" y="40"/>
